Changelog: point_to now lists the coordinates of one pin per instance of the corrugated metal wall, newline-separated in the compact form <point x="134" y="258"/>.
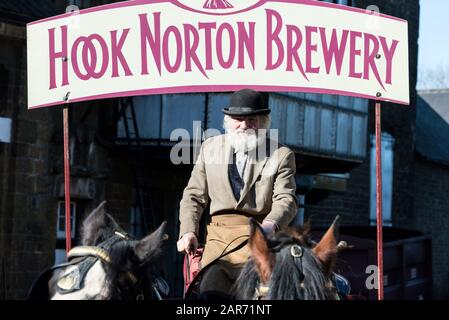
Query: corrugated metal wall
<point x="322" y="125"/>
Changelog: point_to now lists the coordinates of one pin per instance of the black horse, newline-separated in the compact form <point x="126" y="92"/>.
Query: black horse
<point x="289" y="266"/>
<point x="108" y="265"/>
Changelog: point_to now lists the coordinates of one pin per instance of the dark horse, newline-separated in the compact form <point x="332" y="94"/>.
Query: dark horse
<point x="289" y="266"/>
<point x="108" y="265"/>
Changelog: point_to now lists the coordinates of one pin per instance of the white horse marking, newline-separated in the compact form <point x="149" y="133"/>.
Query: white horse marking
<point x="93" y="285"/>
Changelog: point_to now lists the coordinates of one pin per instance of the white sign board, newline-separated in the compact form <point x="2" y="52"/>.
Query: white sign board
<point x="171" y="46"/>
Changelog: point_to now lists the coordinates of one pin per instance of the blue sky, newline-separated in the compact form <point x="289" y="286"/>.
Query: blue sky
<point x="433" y="33"/>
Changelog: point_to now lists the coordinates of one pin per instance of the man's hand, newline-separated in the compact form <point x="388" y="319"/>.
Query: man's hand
<point x="188" y="243"/>
<point x="269" y="227"/>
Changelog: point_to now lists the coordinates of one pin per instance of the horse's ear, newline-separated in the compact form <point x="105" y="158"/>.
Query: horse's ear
<point x="151" y="246"/>
<point x="261" y="254"/>
<point x="98" y="226"/>
<point x="326" y="250"/>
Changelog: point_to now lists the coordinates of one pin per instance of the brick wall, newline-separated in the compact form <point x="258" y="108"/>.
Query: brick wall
<point x="431" y="216"/>
<point x="352" y="205"/>
<point x="25" y="232"/>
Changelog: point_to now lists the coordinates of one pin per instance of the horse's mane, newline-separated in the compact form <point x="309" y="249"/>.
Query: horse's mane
<point x="291" y="278"/>
<point x="247" y="281"/>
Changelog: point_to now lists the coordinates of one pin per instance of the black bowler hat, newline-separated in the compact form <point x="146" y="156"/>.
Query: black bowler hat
<point x="247" y="102"/>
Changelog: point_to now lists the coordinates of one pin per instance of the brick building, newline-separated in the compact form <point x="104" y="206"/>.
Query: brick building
<point x="431" y="201"/>
<point x="25" y="200"/>
<point x="334" y="175"/>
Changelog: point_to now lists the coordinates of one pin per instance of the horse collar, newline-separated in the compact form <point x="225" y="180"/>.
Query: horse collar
<point x="73" y="280"/>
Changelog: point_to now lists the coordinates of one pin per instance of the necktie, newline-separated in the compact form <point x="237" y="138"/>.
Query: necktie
<point x="236" y="174"/>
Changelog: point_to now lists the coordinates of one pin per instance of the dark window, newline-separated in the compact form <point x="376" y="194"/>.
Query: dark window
<point x="4" y="78"/>
<point x="60" y="254"/>
<point x="60" y="234"/>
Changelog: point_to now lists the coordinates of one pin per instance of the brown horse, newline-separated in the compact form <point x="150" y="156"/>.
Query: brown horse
<point x="289" y="266"/>
<point x="108" y="265"/>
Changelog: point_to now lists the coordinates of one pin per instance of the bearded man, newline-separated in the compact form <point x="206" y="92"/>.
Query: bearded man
<point x="241" y="174"/>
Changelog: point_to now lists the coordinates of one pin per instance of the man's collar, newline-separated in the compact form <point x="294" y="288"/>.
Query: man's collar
<point x="236" y="151"/>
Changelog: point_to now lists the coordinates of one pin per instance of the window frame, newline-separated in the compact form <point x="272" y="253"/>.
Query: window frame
<point x="60" y="230"/>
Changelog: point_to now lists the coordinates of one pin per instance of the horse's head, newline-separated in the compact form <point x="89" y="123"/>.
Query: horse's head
<point x="108" y="264"/>
<point x="288" y="266"/>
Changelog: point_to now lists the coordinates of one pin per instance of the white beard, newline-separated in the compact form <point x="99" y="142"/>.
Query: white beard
<point x="246" y="140"/>
<point x="243" y="141"/>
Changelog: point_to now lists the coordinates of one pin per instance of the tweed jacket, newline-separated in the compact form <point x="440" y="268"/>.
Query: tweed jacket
<point x="269" y="188"/>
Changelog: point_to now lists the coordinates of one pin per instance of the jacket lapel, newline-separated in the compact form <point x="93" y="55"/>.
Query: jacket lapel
<point x="255" y="168"/>
<point x="227" y="160"/>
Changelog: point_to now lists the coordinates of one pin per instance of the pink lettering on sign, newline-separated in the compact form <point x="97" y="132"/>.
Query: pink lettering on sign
<point x="190" y="52"/>
<point x="225" y="63"/>
<point x="204" y="47"/>
<point x="89" y="57"/>
<point x="154" y="41"/>
<point x="371" y="51"/>
<point x="227" y="45"/>
<point x="246" y="44"/>
<point x="62" y="55"/>
<point x="293" y="49"/>
<point x="311" y="48"/>
<point x="172" y="68"/>
<point x="117" y="54"/>
<point x="354" y="51"/>
<point x="389" y="54"/>
<point x="333" y="50"/>
<point x="208" y="27"/>
<point x="273" y="36"/>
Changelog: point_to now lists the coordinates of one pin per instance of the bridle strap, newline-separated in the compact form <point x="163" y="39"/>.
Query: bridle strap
<point x="296" y="252"/>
